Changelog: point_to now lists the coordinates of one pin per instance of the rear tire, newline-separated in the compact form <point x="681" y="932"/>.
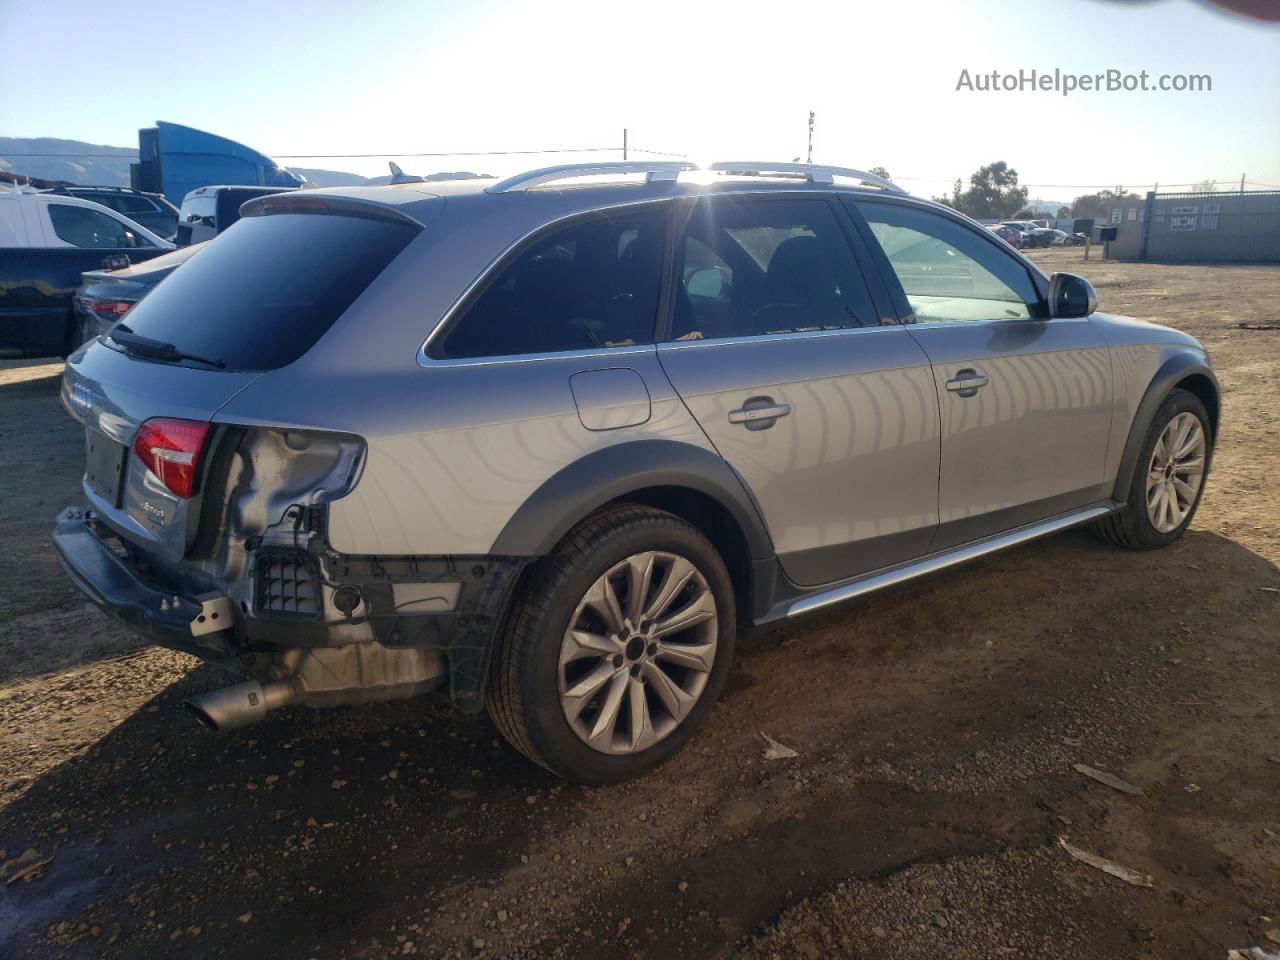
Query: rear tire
<point x="1168" y="478"/>
<point x="599" y="680"/>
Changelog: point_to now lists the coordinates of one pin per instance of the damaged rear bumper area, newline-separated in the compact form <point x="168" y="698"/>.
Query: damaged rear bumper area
<point x="379" y="628"/>
<point x="106" y="577"/>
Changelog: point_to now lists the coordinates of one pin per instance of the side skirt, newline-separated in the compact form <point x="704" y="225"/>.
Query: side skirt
<point x="826" y="596"/>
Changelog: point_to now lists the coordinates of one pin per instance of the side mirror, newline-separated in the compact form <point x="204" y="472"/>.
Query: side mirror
<point x="707" y="283"/>
<point x="1071" y="296"/>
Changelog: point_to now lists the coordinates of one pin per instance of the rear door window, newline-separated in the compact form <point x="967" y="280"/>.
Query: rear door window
<point x="590" y="285"/>
<point x="269" y="288"/>
<point x="84" y="227"/>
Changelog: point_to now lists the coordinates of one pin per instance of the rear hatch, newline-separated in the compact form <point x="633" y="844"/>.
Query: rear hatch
<point x="255" y="300"/>
<point x="106" y="391"/>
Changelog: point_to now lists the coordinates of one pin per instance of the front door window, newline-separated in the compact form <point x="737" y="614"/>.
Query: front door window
<point x="949" y="273"/>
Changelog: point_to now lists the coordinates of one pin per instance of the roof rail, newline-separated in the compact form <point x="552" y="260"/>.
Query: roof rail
<point x="666" y="170"/>
<point x="810" y="171"/>
<point x="670" y="170"/>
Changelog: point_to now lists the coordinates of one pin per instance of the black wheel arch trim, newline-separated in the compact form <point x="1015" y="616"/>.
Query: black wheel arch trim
<point x="611" y="473"/>
<point x="1172" y="372"/>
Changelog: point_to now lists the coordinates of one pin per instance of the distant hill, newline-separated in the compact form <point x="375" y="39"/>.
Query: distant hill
<point x="80" y="162"/>
<point x="329" y="178"/>
<point x="336" y="178"/>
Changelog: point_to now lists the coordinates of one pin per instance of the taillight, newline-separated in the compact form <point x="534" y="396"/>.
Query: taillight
<point x="170" y="449"/>
<point x="110" y="310"/>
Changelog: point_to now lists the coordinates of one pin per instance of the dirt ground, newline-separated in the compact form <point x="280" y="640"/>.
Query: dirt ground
<point x="937" y="727"/>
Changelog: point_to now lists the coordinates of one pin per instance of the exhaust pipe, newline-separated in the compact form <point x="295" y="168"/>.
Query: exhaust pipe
<point x="323" y="677"/>
<point x="239" y="705"/>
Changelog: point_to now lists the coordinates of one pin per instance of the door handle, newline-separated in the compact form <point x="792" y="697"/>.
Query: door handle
<point x="967" y="383"/>
<point x="759" y="417"/>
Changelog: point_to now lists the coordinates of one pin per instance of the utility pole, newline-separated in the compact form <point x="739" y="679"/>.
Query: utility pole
<point x="624" y="143"/>
<point x="809" y="159"/>
<point x="1242" y="183"/>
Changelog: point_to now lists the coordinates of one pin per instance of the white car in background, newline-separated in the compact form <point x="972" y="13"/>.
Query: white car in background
<point x="47" y="240"/>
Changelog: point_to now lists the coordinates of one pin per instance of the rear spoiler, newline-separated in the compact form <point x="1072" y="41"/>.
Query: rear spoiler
<point x="297" y="202"/>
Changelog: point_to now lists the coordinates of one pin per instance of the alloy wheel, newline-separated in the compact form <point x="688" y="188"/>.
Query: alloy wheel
<point x="1176" y="472"/>
<point x="638" y="652"/>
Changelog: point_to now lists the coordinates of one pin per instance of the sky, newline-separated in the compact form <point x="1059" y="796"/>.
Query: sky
<point x="710" y="80"/>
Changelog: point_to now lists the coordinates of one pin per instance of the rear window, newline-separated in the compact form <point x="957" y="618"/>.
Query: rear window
<point x="260" y="295"/>
<point x="197" y="207"/>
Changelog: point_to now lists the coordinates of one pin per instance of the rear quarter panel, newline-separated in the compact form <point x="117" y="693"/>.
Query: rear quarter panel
<point x="453" y="450"/>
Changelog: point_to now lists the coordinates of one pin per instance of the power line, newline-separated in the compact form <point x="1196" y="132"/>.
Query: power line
<point x="1080" y="186"/>
<point x="77" y="156"/>
<point x="659" y="153"/>
<point x="354" y="156"/>
<point x="373" y="156"/>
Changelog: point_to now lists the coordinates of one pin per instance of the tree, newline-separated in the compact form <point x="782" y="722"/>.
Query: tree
<point x="1063" y="213"/>
<point x="880" y="172"/>
<point x="1026" y="213"/>
<point x="1206" y="186"/>
<point x="952" y="201"/>
<point x="993" y="192"/>
<point x="1098" y="205"/>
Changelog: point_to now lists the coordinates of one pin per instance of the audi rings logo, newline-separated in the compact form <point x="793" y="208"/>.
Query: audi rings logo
<point x="81" y="398"/>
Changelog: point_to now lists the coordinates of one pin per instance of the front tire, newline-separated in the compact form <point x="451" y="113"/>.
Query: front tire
<point x="1168" y="479"/>
<point x="617" y="649"/>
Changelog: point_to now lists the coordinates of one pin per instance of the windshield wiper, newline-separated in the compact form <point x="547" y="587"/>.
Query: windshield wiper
<point x="157" y="349"/>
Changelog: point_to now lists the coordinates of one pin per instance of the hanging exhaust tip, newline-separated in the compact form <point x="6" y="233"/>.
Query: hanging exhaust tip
<point x="238" y="705"/>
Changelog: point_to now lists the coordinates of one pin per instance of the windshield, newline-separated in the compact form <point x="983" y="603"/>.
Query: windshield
<point x="260" y="295"/>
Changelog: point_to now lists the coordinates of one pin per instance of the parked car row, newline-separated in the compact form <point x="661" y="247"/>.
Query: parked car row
<point x="151" y="210"/>
<point x="1064" y="239"/>
<point x="100" y="240"/>
<point x="1010" y="235"/>
<point x="48" y="241"/>
<point x="1021" y="234"/>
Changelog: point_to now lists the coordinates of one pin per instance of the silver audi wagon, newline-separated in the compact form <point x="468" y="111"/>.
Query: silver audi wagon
<point x="547" y="444"/>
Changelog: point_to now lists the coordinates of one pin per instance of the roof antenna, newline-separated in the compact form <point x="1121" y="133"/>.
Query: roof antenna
<point x="399" y="176"/>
